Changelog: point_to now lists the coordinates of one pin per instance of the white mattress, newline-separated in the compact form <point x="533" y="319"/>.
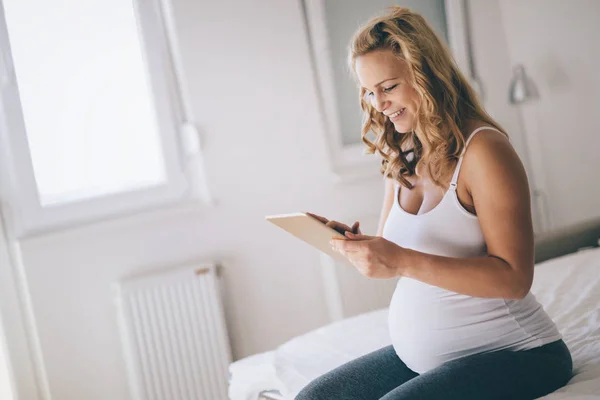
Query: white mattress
<point x="568" y="287"/>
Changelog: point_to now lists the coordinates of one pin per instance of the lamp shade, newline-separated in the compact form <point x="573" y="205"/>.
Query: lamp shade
<point x="522" y="88"/>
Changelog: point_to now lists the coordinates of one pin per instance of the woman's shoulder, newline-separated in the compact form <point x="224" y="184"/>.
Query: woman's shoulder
<point x="475" y="128"/>
<point x="484" y="138"/>
<point x="489" y="152"/>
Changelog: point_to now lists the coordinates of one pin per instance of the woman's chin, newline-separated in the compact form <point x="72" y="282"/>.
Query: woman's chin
<point x="402" y="128"/>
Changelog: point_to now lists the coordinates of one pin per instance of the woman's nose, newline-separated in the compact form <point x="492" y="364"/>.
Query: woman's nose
<point x="379" y="102"/>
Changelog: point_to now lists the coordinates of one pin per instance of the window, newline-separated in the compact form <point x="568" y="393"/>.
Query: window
<point x="91" y="122"/>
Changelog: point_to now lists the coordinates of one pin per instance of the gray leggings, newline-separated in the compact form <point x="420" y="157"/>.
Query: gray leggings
<point x="502" y="375"/>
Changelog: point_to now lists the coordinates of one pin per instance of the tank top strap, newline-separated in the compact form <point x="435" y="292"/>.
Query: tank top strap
<point x="457" y="170"/>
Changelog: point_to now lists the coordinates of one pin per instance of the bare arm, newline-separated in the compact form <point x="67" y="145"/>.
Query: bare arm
<point x="388" y="201"/>
<point x="498" y="184"/>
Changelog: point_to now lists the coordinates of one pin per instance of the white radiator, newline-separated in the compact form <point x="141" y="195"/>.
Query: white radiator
<point x="174" y="336"/>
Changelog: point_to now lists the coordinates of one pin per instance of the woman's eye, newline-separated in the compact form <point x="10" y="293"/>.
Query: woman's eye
<point x="389" y="89"/>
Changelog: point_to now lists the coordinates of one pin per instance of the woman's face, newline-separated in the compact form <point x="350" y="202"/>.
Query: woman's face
<point x="386" y="80"/>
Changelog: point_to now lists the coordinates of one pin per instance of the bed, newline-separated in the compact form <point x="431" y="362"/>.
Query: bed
<point x="566" y="283"/>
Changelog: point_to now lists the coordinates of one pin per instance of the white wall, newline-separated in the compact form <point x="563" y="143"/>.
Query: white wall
<point x="558" y="43"/>
<point x="252" y="89"/>
<point x="6" y="389"/>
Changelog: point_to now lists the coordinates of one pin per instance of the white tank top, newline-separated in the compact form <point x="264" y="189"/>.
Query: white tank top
<point x="430" y="325"/>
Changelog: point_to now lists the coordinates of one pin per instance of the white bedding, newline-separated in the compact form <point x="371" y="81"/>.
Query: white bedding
<point x="251" y="375"/>
<point x="568" y="287"/>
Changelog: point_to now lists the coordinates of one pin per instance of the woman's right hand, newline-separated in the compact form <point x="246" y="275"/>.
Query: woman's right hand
<point x="338" y="226"/>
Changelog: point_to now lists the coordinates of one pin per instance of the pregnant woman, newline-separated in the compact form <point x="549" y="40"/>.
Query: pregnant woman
<point x="455" y="227"/>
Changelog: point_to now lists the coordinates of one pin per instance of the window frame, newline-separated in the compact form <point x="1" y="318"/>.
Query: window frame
<point x="178" y="138"/>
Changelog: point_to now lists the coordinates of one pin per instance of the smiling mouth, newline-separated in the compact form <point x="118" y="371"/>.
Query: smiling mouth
<point x="397" y="113"/>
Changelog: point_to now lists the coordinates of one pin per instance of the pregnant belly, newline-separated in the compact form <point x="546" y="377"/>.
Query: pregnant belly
<point x="429" y="325"/>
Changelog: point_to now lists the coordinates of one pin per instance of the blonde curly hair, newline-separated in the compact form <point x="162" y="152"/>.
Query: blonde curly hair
<point x="447" y="101"/>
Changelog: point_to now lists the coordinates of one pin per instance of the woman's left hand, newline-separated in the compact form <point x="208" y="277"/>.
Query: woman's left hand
<point x="373" y="256"/>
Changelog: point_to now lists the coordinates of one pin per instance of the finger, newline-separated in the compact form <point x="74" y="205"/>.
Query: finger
<point x="357" y="236"/>
<point x="350" y="254"/>
<point x="343" y="226"/>
<point x="348" y="246"/>
<point x="337" y="244"/>
<point x="355" y="228"/>
<point x="338" y="226"/>
<point x="318" y="217"/>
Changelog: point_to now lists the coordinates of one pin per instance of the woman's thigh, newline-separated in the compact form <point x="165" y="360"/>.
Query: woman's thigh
<point x="368" y="377"/>
<point x="501" y="375"/>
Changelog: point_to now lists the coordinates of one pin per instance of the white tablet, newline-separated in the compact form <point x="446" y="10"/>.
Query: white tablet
<point x="309" y="230"/>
